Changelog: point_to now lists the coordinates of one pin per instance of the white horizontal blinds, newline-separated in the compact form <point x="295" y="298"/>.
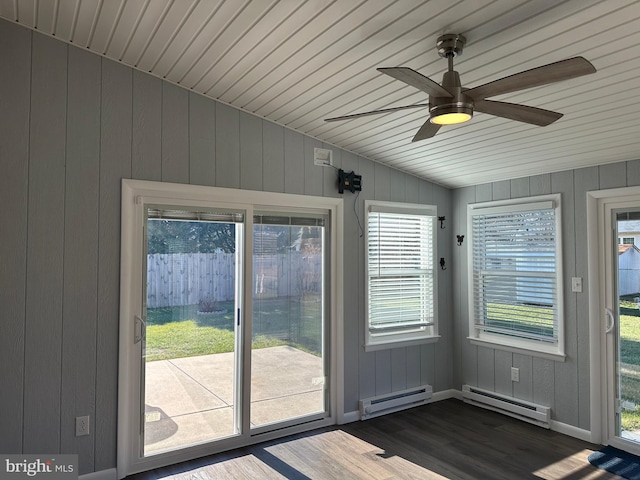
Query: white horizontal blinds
<point x="514" y="272"/>
<point x="401" y="271"/>
<point x="167" y="213"/>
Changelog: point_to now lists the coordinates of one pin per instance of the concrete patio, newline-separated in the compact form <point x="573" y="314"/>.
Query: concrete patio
<point x="190" y="400"/>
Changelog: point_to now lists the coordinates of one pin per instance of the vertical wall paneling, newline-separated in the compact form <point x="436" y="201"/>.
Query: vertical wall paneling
<point x="504" y="362"/>
<point x="484" y="192"/>
<point x="524" y="388"/>
<point x="45" y="237"/>
<point x="15" y="55"/>
<point x="412" y="189"/>
<point x="353" y="308"/>
<point x="613" y="175"/>
<point x="633" y="173"/>
<point x="147" y="127"/>
<point x="250" y="151"/>
<point x="586" y="179"/>
<point x="501" y="190"/>
<point x="202" y="140"/>
<point x="397" y="182"/>
<point x="227" y="146"/>
<point x="382" y="185"/>
<point x="566" y="377"/>
<point x="543" y="381"/>
<point x="175" y="134"/>
<point x="443" y="348"/>
<point x="272" y="157"/>
<point x="294" y="178"/>
<point x="520" y="187"/>
<point x="115" y="164"/>
<point x="367" y="360"/>
<point x="486" y="368"/>
<point x="313" y="174"/>
<point x="540" y="184"/>
<point x="80" y="298"/>
<point x="293" y="162"/>
<point x="468" y="352"/>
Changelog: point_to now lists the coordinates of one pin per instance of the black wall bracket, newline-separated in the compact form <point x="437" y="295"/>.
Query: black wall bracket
<point x="349" y="181"/>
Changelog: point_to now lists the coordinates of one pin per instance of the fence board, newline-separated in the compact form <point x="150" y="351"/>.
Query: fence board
<point x="190" y="278"/>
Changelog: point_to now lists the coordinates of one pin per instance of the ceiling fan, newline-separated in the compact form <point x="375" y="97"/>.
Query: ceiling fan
<point x="451" y="103"/>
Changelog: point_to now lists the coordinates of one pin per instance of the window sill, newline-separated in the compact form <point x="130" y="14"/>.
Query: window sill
<point x="558" y="357"/>
<point x="388" y="345"/>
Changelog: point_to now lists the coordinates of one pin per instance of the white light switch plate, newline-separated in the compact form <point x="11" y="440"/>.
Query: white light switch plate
<point x="576" y="284"/>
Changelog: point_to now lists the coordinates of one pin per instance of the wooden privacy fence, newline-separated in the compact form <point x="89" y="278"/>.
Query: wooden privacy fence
<point x="189" y="278"/>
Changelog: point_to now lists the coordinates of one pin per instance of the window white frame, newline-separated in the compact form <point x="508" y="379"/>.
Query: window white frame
<point x="135" y="195"/>
<point x="424" y="329"/>
<point x="480" y="270"/>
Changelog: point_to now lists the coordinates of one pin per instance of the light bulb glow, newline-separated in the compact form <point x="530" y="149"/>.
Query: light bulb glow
<point x="450" y="118"/>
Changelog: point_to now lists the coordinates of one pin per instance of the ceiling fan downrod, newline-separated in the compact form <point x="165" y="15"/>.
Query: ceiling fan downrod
<point x="458" y="107"/>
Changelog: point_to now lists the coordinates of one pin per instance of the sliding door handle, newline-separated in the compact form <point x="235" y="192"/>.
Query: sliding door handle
<point x="139" y="329"/>
<point x="611" y="321"/>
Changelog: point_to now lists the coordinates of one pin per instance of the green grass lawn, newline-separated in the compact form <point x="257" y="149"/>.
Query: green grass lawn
<point x="630" y="365"/>
<point x="175" y="332"/>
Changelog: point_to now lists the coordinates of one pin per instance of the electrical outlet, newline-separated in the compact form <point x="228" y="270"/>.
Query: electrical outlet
<point x="515" y="374"/>
<point x="82" y="426"/>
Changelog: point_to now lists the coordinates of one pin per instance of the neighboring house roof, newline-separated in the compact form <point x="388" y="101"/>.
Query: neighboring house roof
<point x="623" y="247"/>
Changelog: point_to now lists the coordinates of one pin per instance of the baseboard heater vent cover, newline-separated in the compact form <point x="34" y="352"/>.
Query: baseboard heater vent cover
<point x="394" y="402"/>
<point x="520" y="409"/>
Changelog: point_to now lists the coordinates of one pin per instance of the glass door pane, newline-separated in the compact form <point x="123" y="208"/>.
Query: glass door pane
<point x="628" y="333"/>
<point x="191" y="302"/>
<point x="288" y="320"/>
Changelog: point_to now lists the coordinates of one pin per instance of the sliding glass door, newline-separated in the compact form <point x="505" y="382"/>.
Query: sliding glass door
<point x="192" y="305"/>
<point x="226" y="332"/>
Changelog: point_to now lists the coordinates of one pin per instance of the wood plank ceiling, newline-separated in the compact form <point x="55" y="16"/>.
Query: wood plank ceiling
<point x="297" y="62"/>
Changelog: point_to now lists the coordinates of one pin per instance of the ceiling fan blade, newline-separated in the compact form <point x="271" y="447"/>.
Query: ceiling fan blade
<point x="520" y="113"/>
<point x="375" y="112"/>
<point x="427" y="130"/>
<point x="553" y="72"/>
<point x="415" y="79"/>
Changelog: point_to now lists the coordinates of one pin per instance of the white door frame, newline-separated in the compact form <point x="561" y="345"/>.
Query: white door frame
<point x="600" y="205"/>
<point x="134" y="194"/>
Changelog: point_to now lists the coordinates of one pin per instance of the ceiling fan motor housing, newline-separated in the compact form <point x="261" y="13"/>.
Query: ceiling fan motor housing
<point x="457" y="103"/>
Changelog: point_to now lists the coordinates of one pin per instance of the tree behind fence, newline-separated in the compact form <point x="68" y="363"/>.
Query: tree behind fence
<point x="190" y="278"/>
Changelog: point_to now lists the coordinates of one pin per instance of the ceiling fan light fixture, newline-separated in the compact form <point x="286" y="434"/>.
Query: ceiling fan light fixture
<point x="450" y="114"/>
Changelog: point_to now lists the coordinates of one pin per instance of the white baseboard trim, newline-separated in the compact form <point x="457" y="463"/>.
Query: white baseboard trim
<point x="446" y="394"/>
<point x="110" y="474"/>
<point x="349" y="417"/>
<point x="570" y="430"/>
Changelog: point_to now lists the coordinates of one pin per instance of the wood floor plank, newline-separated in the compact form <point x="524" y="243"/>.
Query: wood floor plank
<point x="443" y="440"/>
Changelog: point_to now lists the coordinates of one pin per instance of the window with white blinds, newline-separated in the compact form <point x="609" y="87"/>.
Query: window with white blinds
<point x="401" y="278"/>
<point x="515" y="277"/>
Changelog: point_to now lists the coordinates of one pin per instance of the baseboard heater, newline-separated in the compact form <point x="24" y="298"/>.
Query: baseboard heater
<point x="394" y="402"/>
<point x="520" y="409"/>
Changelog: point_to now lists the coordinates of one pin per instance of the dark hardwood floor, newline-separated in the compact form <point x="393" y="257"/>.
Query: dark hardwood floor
<point x="442" y="440"/>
